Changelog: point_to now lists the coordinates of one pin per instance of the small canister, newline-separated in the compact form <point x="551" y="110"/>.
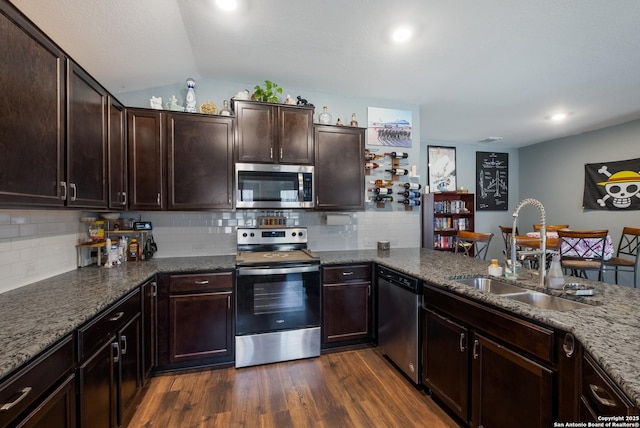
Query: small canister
<point x="494" y="268"/>
<point x="384" y="245"/>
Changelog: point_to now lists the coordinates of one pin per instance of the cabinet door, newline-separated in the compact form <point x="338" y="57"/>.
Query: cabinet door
<point x="57" y="410"/>
<point x="200" y="326"/>
<point x="146" y="160"/>
<point x="346" y="311"/>
<point x="98" y="388"/>
<point x="200" y="162"/>
<point x="255" y="132"/>
<point x="446" y="361"/>
<point x="339" y="168"/>
<point x="117" y="143"/>
<point x="86" y="140"/>
<point x="149" y="327"/>
<point x="508" y="388"/>
<point x="130" y="359"/>
<point x="32" y="86"/>
<point x="295" y="139"/>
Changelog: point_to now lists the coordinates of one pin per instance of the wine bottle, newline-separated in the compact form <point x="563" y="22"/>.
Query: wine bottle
<point x="411" y="186"/>
<point x="372" y="156"/>
<point x="401" y="155"/>
<point x="410" y="202"/>
<point x="371" y="165"/>
<point x="382" y="183"/>
<point x="383" y="198"/>
<point x="398" y="171"/>
<point x="409" y="194"/>
<point x="381" y="191"/>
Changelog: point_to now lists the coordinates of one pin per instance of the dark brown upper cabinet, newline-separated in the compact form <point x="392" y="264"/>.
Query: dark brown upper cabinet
<point x="32" y="120"/>
<point x="339" y="168"/>
<point x="86" y="140"/>
<point x="117" y="144"/>
<point x="274" y="133"/>
<point x="146" y="159"/>
<point x="200" y="162"/>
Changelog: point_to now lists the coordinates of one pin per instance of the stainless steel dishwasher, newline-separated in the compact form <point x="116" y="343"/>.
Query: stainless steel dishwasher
<point x="399" y="320"/>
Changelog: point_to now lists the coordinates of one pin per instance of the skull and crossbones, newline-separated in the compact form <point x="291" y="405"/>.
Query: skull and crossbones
<point x="621" y="186"/>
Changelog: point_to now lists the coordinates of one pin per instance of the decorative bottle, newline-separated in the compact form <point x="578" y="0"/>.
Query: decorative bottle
<point x="371" y="165"/>
<point x="411" y="186"/>
<point x="410" y="194"/>
<point x="382" y="183"/>
<point x="354" y="122"/>
<point x="191" y="96"/>
<point x="401" y="155"/>
<point x="555" y="278"/>
<point x="324" y="117"/>
<point x="381" y="191"/>
<point x="410" y="202"/>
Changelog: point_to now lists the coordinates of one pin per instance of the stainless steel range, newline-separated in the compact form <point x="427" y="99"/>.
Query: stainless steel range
<point x="277" y="297"/>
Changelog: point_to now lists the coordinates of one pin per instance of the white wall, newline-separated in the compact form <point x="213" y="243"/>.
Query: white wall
<point x="554" y="174"/>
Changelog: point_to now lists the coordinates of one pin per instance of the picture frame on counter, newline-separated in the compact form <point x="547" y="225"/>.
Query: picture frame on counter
<point x="441" y="166"/>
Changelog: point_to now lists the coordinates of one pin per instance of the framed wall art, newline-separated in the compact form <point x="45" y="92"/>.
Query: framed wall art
<point x="441" y="164"/>
<point x="492" y="187"/>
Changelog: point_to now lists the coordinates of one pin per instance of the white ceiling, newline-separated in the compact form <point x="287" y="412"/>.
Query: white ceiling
<point x="475" y="68"/>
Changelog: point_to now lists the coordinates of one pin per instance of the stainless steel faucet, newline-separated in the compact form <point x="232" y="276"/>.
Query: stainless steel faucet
<point x="543" y="239"/>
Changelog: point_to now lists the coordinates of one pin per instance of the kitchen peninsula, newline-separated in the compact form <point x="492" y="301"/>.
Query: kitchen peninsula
<point x="36" y="316"/>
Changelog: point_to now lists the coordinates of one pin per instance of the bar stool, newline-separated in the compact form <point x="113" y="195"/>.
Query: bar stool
<point x="582" y="251"/>
<point x="628" y="246"/>
<point x="473" y="244"/>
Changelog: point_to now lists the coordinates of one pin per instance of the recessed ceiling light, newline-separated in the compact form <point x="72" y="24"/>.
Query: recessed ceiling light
<point x="559" y="116"/>
<point x="227" y="4"/>
<point x="401" y="35"/>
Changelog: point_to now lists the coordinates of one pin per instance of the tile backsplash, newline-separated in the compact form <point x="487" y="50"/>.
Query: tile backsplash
<point x="35" y="245"/>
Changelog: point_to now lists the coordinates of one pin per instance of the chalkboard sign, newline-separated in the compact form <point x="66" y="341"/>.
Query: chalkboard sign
<point x="492" y="187"/>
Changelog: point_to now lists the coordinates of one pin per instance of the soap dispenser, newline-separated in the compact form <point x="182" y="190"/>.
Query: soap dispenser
<point x="555" y="278"/>
<point x="494" y="268"/>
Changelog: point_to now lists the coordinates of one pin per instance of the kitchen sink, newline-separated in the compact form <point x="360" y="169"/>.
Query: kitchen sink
<point x="491" y="285"/>
<point x="544" y="301"/>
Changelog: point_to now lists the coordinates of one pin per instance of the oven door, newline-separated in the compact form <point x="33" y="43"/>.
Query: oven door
<point x="274" y="298"/>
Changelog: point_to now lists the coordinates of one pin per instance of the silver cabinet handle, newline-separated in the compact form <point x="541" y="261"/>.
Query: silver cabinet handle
<point x="124" y="199"/>
<point x="368" y="289"/>
<point x="123" y="339"/>
<point x="475" y="349"/>
<point x="158" y="199"/>
<point x="229" y="302"/>
<point x="23" y="393"/>
<point x="154" y="286"/>
<point x="569" y="345"/>
<point x="117" y="316"/>
<point x="116" y="351"/>
<point x="63" y="184"/>
<point x="595" y="389"/>
<point x="462" y="344"/>
<point x="347" y="273"/>
<point x="202" y="282"/>
<point x="281" y="153"/>
<point x="74" y="191"/>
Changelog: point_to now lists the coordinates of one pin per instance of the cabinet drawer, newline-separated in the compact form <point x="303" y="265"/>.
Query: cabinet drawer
<point x="602" y="395"/>
<point x="346" y="273"/>
<point x="30" y="383"/>
<point x="200" y="282"/>
<point x="92" y="335"/>
<point x="529" y="337"/>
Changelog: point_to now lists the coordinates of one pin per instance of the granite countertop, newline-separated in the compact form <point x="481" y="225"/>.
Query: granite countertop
<point x="36" y="316"/>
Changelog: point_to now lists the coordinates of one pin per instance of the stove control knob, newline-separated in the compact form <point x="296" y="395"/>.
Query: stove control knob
<point x="253" y="234"/>
<point x="300" y="234"/>
<point x="293" y="234"/>
<point x="244" y="235"/>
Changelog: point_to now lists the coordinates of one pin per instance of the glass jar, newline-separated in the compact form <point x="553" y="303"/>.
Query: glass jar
<point x="324" y="117"/>
<point x="226" y="111"/>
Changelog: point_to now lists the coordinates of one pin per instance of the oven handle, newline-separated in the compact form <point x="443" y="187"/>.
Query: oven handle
<point x="277" y="271"/>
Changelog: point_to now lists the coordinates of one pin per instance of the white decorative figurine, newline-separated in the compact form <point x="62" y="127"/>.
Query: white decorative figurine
<point x="191" y="96"/>
<point x="173" y="104"/>
<point x="156" y="103"/>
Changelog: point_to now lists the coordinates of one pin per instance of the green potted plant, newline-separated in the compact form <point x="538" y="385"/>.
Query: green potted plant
<point x="267" y="92"/>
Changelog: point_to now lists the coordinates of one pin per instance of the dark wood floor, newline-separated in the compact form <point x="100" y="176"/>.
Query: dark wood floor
<point x="357" y="388"/>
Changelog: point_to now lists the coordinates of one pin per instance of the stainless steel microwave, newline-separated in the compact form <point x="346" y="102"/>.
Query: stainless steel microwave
<point x="274" y="186"/>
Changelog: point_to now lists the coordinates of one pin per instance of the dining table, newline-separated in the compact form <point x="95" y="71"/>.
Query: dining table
<point x="532" y="240"/>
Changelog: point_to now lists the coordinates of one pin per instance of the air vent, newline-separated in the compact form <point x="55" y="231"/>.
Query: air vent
<point x="490" y="140"/>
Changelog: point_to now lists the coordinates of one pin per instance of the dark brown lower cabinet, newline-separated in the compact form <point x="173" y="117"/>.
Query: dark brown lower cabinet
<point x="149" y="327"/>
<point x="109" y="372"/>
<point x="347" y="305"/>
<point x="508" y="388"/>
<point x="57" y="410"/>
<point x="445" y="361"/>
<point x="195" y="319"/>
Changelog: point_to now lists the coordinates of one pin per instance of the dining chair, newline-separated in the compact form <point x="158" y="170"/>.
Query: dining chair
<point x="507" y="231"/>
<point x="473" y="244"/>
<point x="551" y="227"/>
<point x="582" y="251"/>
<point x="626" y="258"/>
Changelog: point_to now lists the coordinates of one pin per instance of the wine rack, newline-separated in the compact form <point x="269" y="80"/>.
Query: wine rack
<point x="382" y="193"/>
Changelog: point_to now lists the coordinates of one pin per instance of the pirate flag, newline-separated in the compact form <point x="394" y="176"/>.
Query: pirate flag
<point x="612" y="186"/>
